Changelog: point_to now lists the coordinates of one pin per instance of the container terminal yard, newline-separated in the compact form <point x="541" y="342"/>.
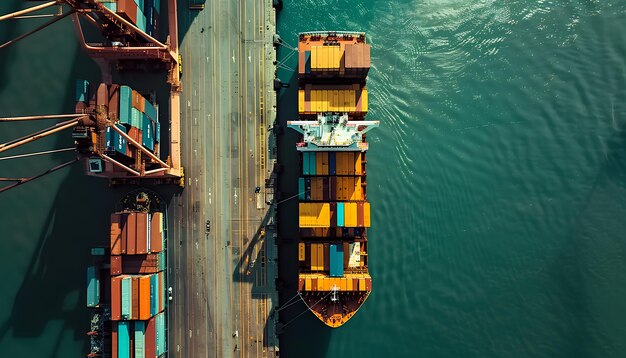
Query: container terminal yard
<point x="209" y="288"/>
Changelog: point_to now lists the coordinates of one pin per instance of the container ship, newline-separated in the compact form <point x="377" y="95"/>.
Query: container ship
<point x="126" y="285"/>
<point x="334" y="212"/>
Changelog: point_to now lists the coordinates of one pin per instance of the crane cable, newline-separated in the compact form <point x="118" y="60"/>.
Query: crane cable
<point x="307" y="309"/>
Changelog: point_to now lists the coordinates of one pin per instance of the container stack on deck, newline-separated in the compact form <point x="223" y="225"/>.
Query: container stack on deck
<point x="138" y="289"/>
<point x="142" y="13"/>
<point x="333" y="211"/>
<point x="129" y="111"/>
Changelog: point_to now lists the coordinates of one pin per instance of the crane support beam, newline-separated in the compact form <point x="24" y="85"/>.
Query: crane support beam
<point x="120" y="165"/>
<point x="38" y="28"/>
<point x="26" y="180"/>
<point x="33" y="118"/>
<point x="29" y="10"/>
<point x="38" y="135"/>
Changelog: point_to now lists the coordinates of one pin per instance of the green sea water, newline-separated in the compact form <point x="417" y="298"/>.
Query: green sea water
<point x="497" y="181"/>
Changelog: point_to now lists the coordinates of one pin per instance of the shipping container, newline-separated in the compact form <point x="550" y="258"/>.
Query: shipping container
<point x="157" y="234"/>
<point x="123" y="339"/>
<point x="135" y="298"/>
<point x="114" y="340"/>
<point x="93" y="287"/>
<point x="128" y="10"/>
<point x="160" y="334"/>
<point x="126" y="103"/>
<point x="116" y="234"/>
<point x="144" y="297"/>
<point x="136" y="118"/>
<point x="312" y="163"/>
<point x="139" y="341"/>
<point x="301" y="191"/>
<point x="314" y="215"/>
<point x="332" y="163"/>
<point x="147" y="129"/>
<point x="301" y="251"/>
<point x="162" y="289"/>
<point x="127" y="298"/>
<point x="82" y="90"/>
<point x="151" y="111"/>
<point x="143" y="237"/>
<point x="131" y="234"/>
<point x="116" y="298"/>
<point x="320" y="257"/>
<point x="154" y="294"/>
<point x="336" y="260"/>
<point x="150" y="337"/>
<point x="340" y="215"/>
<point x="116" y="265"/>
<point x="115" y="143"/>
<point x="305" y="163"/>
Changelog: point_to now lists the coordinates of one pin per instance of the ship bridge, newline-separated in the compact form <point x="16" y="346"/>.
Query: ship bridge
<point x="334" y="131"/>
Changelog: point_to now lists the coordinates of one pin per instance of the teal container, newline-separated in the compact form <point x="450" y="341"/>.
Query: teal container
<point x="93" y="287"/>
<point x="82" y="91"/>
<point x="301" y="190"/>
<point x="340" y="215"/>
<point x="336" y="260"/>
<point x="305" y="163"/>
<point x="111" y="6"/>
<point x="127" y="298"/>
<point x="140" y="339"/>
<point x="140" y="4"/>
<point x="114" y="141"/>
<point x="141" y="20"/>
<point x="123" y="339"/>
<point x="97" y="251"/>
<point x="157" y="6"/>
<point x="154" y="295"/>
<point x="162" y="262"/>
<point x="147" y="130"/>
<point x="312" y="163"/>
<point x="151" y="111"/>
<point x="136" y="118"/>
<point x="162" y="292"/>
<point x="126" y="103"/>
<point x="160" y="334"/>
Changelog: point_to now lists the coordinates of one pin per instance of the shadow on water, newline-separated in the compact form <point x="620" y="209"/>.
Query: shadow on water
<point x="303" y="334"/>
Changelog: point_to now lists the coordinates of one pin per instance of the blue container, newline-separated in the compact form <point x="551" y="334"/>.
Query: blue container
<point x="305" y="163"/>
<point x="301" y="189"/>
<point x="312" y="163"/>
<point x="140" y="339"/>
<point x="114" y="141"/>
<point x="307" y="61"/>
<point x="157" y="6"/>
<point x="126" y="103"/>
<point x="141" y="20"/>
<point x="332" y="163"/>
<point x="93" y="287"/>
<point x="127" y="297"/>
<point x="154" y="294"/>
<point x="147" y="130"/>
<point x="82" y="91"/>
<point x="123" y="339"/>
<point x="336" y="260"/>
<point x="340" y="214"/>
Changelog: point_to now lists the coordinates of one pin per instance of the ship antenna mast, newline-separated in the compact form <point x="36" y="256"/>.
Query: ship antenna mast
<point x="333" y="291"/>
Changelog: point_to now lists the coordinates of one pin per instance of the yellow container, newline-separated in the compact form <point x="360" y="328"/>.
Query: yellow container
<point x="314" y="215"/>
<point x="349" y="285"/>
<point x="320" y="257"/>
<point x="366" y="214"/>
<point x="307" y="284"/>
<point x="350" y="214"/>
<point x="358" y="189"/>
<point x="301" y="101"/>
<point x="301" y="251"/>
<point x="364" y="100"/>
<point x="362" y="284"/>
<point x="313" y="257"/>
<point x="335" y="99"/>
<point x="357" y="164"/>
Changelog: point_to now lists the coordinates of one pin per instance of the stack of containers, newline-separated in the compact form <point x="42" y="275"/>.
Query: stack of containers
<point x="142" y="13"/>
<point x="138" y="286"/>
<point x="138" y="116"/>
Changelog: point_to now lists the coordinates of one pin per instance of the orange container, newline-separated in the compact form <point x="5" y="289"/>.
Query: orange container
<point x="116" y="298"/>
<point x="131" y="234"/>
<point x="142" y="233"/>
<point x="156" y="232"/>
<point x="116" y="234"/>
<point x="144" y="297"/>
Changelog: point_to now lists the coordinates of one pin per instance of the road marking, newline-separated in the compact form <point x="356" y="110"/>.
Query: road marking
<point x="233" y="56"/>
<point x="210" y="196"/>
<point x="190" y="333"/>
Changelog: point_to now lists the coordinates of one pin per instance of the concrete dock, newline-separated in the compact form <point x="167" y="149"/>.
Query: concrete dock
<point x="224" y="281"/>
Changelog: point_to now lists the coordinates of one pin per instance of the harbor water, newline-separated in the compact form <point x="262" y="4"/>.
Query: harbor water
<point x="497" y="181"/>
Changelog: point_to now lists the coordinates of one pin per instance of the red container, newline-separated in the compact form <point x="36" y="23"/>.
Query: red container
<point x="116" y="298"/>
<point x="80" y="107"/>
<point x="116" y="265"/>
<point x="102" y="95"/>
<point x="135" y="298"/>
<point x="128" y="10"/>
<point x="134" y="133"/>
<point x="139" y="102"/>
<point x="156" y="233"/>
<point x="150" y="338"/>
<point x="131" y="238"/>
<point x="142" y="233"/>
<point x="114" y="353"/>
<point x="116" y="234"/>
<point x="300" y="284"/>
